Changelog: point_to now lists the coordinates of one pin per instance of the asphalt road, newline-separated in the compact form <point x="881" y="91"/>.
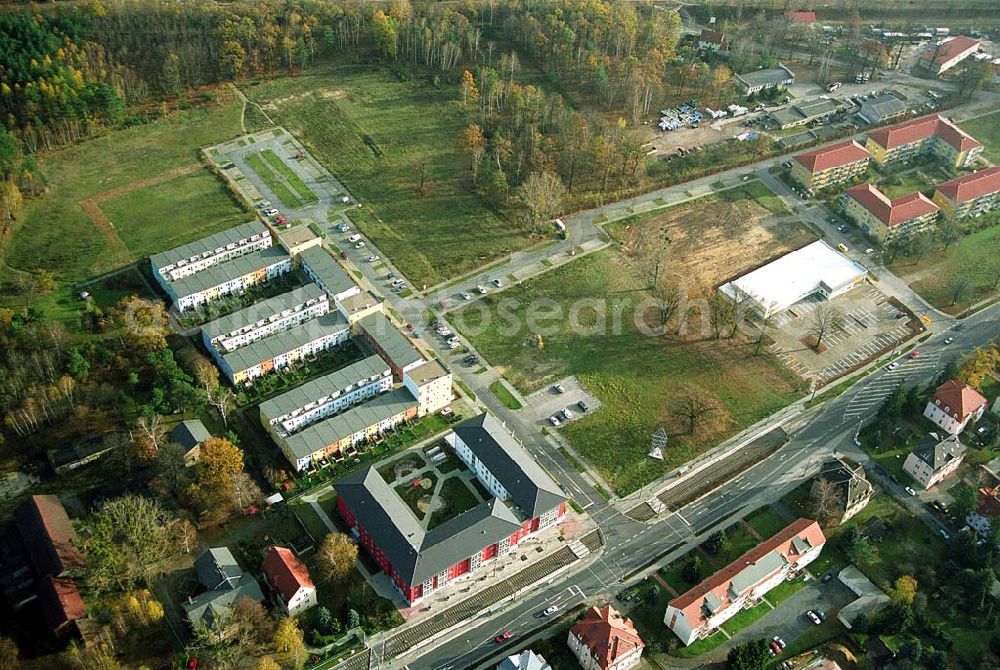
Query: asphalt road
<point x="826" y="430"/>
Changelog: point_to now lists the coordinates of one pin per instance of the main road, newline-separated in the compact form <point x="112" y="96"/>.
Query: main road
<point x="824" y="431"/>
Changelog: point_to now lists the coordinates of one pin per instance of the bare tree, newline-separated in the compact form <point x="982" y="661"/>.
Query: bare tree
<point x="693" y="407"/>
<point x="825" y="499"/>
<point x="765" y="324"/>
<point x="336" y="557"/>
<point x="540" y="196"/>
<point x="720" y="313"/>
<point x="958" y="288"/>
<point x="826" y="319"/>
<point x="223" y="400"/>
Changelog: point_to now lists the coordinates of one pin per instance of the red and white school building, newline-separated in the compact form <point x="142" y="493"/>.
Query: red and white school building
<point x="418" y="561"/>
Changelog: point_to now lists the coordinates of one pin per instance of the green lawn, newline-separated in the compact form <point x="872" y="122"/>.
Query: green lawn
<point x="767" y="522"/>
<point x="375" y="133"/>
<point x="457" y="498"/>
<point x="699" y="647"/>
<point x="744" y="618"/>
<point x="293" y="179"/>
<point x="900" y="184"/>
<point x="270" y="178"/>
<point x="986" y="129"/>
<point x="636" y="377"/>
<point x="976" y="258"/>
<point x="310" y="519"/>
<point x="504" y="395"/>
<point x="168" y="214"/>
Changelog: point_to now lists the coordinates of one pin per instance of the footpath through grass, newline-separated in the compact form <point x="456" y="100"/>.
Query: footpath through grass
<point x="636" y="377"/>
<point x="377" y="135"/>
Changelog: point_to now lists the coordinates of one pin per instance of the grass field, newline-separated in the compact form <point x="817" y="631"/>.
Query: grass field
<point x="767" y="522"/>
<point x="976" y="258"/>
<point x="504" y="395"/>
<point x="268" y="176"/>
<point x="375" y="133"/>
<point x="289" y="175"/>
<point x="986" y="129"/>
<point x="166" y="215"/>
<point x="636" y="377"/>
<point x="55" y="232"/>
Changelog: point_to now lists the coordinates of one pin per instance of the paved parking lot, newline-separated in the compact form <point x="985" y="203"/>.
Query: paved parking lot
<point x="870" y="325"/>
<point x="546" y="402"/>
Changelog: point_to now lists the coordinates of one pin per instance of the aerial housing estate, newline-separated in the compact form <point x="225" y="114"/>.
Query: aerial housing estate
<point x="699" y="612"/>
<point x="419" y="560"/>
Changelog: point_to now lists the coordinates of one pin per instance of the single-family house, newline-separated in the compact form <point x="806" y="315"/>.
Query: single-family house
<point x="853" y="488"/>
<point x="225" y="583"/>
<point x="524" y="660"/>
<point x="955" y="404"/>
<point x="603" y="639"/>
<point x="934" y="459"/>
<point x="288" y="580"/>
<point x="190" y="435"/>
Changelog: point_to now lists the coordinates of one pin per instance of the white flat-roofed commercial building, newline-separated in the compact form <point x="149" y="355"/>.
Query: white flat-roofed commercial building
<point x="285" y="348"/>
<point x="324" y="396"/>
<point x="815" y="268"/>
<point x="264" y="318"/>
<point x="191" y="258"/>
<point x="320" y="267"/>
<point x="233" y="277"/>
<point x="430" y="384"/>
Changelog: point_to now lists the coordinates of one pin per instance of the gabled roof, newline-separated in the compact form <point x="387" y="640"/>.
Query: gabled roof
<point x="327" y="271"/>
<point x="190" y="433"/>
<point x="259" y="313"/>
<point x="607" y="635"/>
<point x="958" y="399"/>
<point x="211" y="243"/>
<point x="891" y="212"/>
<point x="225" y="582"/>
<point x="921" y="129"/>
<point x="359" y="372"/>
<point x="711" y="36"/>
<point x="939" y="453"/>
<point x="231" y="270"/>
<point x="884" y="106"/>
<point x="988" y="506"/>
<point x="849" y="478"/>
<point x="284" y="341"/>
<point x="770" y="76"/>
<point x="415" y="554"/>
<point x="49" y="536"/>
<point x="398" y="349"/>
<point x="788" y="545"/>
<point x="971" y="186"/>
<point x="60" y="601"/>
<point x="217" y="569"/>
<point x="803" y="17"/>
<point x="950" y="48"/>
<point x="531" y="488"/>
<point x="285" y="572"/>
<point x="525" y="660"/>
<point x="835" y="155"/>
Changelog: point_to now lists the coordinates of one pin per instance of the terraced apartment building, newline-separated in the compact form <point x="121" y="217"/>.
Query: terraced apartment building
<point x="191" y="258"/>
<point x="321" y="268"/>
<point x="264" y="318"/>
<point x="230" y="278"/>
<point x="884" y="219"/>
<point x="930" y="135"/>
<point x="827" y="166"/>
<point x="971" y="195"/>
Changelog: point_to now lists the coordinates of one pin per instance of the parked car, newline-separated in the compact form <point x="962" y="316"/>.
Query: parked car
<point x="944" y="534"/>
<point x="359" y="245"/>
<point x="503" y="637"/>
<point x="892" y="366"/>
<point x="481" y="288"/>
<point x="465" y="295"/>
<point x="554" y="420"/>
<point x="373" y="258"/>
<point x="949" y="340"/>
<point x="841" y="229"/>
<point x="559" y="388"/>
<point x="342" y="227"/>
<point x="909" y="490"/>
<point x="814" y="617"/>
<point x="354" y="238"/>
<point x="843" y="248"/>
<point x="397" y="282"/>
<point x="781" y="643"/>
<point x="271" y="212"/>
<point x="775" y="648"/>
<point x="869" y="251"/>
<point x="567" y="414"/>
<point x="583" y="406"/>
<point x="454" y="345"/>
<point x="914" y="354"/>
<point x="497" y="283"/>
<point x="551" y="609"/>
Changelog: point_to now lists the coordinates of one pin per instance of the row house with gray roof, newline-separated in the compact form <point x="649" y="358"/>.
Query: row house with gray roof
<point x="419" y="561"/>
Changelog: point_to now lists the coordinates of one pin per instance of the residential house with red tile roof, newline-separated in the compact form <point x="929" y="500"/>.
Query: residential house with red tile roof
<point x="700" y="611"/>
<point x="948" y="53"/>
<point x="605" y="640"/>
<point x="802" y="17"/>
<point x="830" y="165"/>
<point x="61" y="604"/>
<point x="933" y="135"/>
<point x="953" y="405"/>
<point x="288" y="579"/>
<point x="970" y="195"/>
<point x="883" y="218"/>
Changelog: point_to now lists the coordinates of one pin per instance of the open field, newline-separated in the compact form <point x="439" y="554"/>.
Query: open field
<point x="973" y="259"/>
<point x="375" y="134"/>
<point x="56" y="233"/>
<point x="168" y="214"/>
<point x="267" y="175"/>
<point x="635" y="376"/>
<point x="986" y="129"/>
<point x="712" y="239"/>
<point x="294" y="180"/>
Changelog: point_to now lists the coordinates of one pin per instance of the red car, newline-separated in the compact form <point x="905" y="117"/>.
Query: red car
<point x="503" y="637"/>
<point x="914" y="354"/>
<point x="775" y="647"/>
<point x="192" y="663"/>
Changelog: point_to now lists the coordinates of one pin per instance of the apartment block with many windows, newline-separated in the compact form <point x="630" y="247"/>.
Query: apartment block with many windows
<point x="884" y="219"/>
<point x="928" y="136"/>
<point x="188" y="259"/>
<point x="233" y="277"/>
<point x="835" y="164"/>
<point x="971" y="195"/>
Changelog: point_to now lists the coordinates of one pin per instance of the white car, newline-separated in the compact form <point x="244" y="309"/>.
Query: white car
<point x="271" y="212"/>
<point x="949" y="340"/>
<point x="452" y="340"/>
<point x="559" y="388"/>
<point x="567" y="414"/>
<point x="909" y="490"/>
<point x="892" y="366"/>
<point x="454" y="345"/>
<point x="264" y="205"/>
<point x="397" y="282"/>
<point x="498" y="283"/>
<point x="554" y="420"/>
<point x="445" y="332"/>
<point x="345" y="199"/>
<point x="481" y="288"/>
<point x="814" y="617"/>
<point x="373" y="258"/>
<point x="550" y="610"/>
<point x="466" y="295"/>
<point x="359" y="245"/>
<point x="354" y="238"/>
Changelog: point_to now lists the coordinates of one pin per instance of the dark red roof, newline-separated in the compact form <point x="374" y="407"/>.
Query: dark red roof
<point x="48" y="534"/>
<point x="285" y="572"/>
<point x="960" y="399"/>
<point x="712" y="36"/>
<point x="989" y="503"/>
<point x="949" y="49"/>
<point x="892" y="212"/>
<point x="61" y="602"/>
<point x="920" y="129"/>
<point x="607" y="634"/>
<point x="835" y="155"/>
<point x="803" y="17"/>
<point x="972" y="186"/>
